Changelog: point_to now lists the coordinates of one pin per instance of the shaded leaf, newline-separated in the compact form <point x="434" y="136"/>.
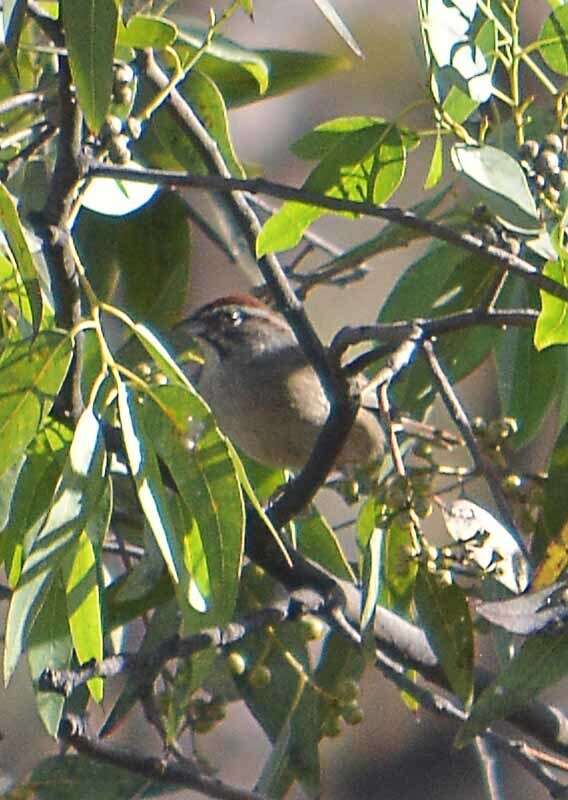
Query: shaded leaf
<point x="153" y="250"/>
<point x="529" y="613"/>
<point x="50" y="646"/>
<point x="31" y="374"/>
<point x="541" y="662"/>
<point x="500" y="183"/>
<point x="445" y="615"/>
<point x="70" y="776"/>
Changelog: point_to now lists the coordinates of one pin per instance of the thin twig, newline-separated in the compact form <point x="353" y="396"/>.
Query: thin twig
<point x="461" y="419"/>
<point x="153" y="768"/>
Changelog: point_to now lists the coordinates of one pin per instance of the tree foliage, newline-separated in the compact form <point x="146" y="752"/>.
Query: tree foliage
<point x="123" y="504"/>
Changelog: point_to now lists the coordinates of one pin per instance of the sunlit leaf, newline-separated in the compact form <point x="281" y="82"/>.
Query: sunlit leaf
<point x="14" y="232"/>
<point x="553" y="39"/>
<point x="31" y="374"/>
<point x="552" y="323"/>
<point x="78" y="492"/>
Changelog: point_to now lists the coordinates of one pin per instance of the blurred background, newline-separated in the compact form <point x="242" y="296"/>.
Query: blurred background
<point x="393" y="753"/>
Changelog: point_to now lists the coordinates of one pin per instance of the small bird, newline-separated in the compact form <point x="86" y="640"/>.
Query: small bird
<point x="263" y="392"/>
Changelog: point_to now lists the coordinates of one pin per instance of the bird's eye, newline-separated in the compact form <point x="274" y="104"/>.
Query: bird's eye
<point x="235" y="317"/>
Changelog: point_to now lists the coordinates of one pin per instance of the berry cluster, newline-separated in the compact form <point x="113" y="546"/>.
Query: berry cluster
<point x="546" y="167"/>
<point x="117" y="132"/>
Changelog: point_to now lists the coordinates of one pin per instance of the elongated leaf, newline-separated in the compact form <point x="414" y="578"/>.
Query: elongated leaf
<point x="206" y="480"/>
<point x="50" y="646"/>
<point x="78" y="492"/>
<point x="31" y="374"/>
<point x="151" y="493"/>
<point x="520" y="365"/>
<point x="84" y="606"/>
<point x="90" y="35"/>
<point x="247" y="76"/>
<point x="436" y="169"/>
<point x="447" y="623"/>
<point x="338" y="25"/>
<point x="541" y="662"/>
<point x="318" y="542"/>
<point x="14" y="232"/>
<point x="32" y="493"/>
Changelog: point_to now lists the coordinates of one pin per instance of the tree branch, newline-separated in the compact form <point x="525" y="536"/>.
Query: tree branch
<point x="501" y="259"/>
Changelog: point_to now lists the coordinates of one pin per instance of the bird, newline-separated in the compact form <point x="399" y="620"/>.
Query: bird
<point x="263" y="392"/>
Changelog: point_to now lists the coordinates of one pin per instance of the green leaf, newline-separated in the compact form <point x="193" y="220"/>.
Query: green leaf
<point x="68" y="777"/>
<point x="541" y="662"/>
<point x="553" y="39"/>
<point x="146" y="31"/>
<point x="223" y="55"/>
<point x="246" y="76"/>
<point x="84" y="606"/>
<point x="31" y="496"/>
<point x="447" y="623"/>
<point x="365" y="163"/>
<point x="12" y="228"/>
<point x="31" y="374"/>
<point x="520" y="365"/>
<point x="206" y="480"/>
<point x="436" y="169"/>
<point x="77" y="494"/>
<point x="90" y="35"/>
<point x="552" y="323"/>
<point x="498" y="180"/>
<point x="50" y="646"/>
<point x="338" y="25"/>
<point x="151" y="492"/>
<point x="318" y="542"/>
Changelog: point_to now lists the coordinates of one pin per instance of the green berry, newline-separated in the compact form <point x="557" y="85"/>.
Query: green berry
<point x="236" y="663"/>
<point x="259" y="677"/>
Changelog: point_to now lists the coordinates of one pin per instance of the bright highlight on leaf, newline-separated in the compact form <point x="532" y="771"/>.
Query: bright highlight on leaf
<point x="489" y="544"/>
<point x="552" y="323"/>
